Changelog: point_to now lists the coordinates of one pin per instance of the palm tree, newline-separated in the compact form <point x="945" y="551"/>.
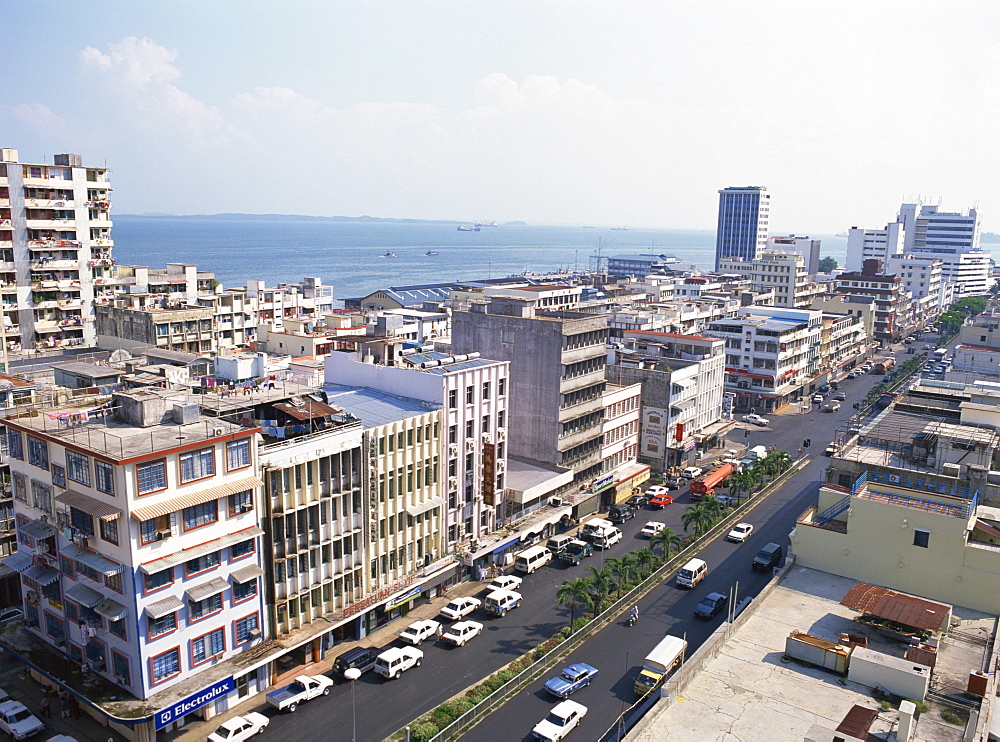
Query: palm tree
<point x="666" y="540"/>
<point x="599" y="586"/>
<point x="624" y="566"/>
<point x="783" y="459"/>
<point x="572" y="593"/>
<point x="645" y="560"/>
<point x="615" y="569"/>
<point x="700" y="515"/>
<point x="738" y="482"/>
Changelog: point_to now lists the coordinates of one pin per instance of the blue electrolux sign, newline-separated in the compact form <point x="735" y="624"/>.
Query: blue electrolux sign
<point x="195" y="701"/>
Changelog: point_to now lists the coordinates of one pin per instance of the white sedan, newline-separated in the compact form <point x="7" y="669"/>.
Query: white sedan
<point x="460" y="608"/>
<point x="240" y="728"/>
<point x="505" y="582"/>
<point x="740" y="533"/>
<point x="755" y="419"/>
<point x="652" y="528"/>
<point x="416" y="632"/>
<point x="657" y="490"/>
<point x="461" y="632"/>
<point x="561" y="720"/>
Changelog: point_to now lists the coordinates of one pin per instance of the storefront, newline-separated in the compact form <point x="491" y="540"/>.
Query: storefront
<point x="630" y="479"/>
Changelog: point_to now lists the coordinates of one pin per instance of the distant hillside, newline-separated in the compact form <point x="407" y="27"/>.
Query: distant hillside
<point x="289" y="218"/>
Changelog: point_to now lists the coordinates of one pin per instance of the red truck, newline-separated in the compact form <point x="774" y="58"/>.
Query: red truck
<point x="885" y="365"/>
<point x="705" y="486"/>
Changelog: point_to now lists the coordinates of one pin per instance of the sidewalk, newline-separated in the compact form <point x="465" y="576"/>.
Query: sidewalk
<point x="381" y="638"/>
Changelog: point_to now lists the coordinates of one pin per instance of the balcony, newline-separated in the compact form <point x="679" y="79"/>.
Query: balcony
<point x="103" y="241"/>
<point x="48" y="203"/>
<point x="52" y="263"/>
<point x="49" y="223"/>
<point x="69" y="244"/>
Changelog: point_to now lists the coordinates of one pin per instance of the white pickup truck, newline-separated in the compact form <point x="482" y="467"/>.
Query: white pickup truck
<point x="303" y="689"/>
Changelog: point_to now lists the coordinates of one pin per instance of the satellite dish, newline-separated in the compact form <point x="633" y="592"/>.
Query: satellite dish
<point x="119" y="356"/>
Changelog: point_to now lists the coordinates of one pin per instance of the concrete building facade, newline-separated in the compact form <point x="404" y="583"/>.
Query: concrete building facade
<point x="743" y="218"/>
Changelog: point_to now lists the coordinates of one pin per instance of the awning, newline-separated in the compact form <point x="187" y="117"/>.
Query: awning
<point x="539" y="525"/>
<point x="84" y="595"/>
<point x="95" y="561"/>
<point x="18" y="561"/>
<point x="161" y="608"/>
<point x="172" y="560"/>
<point x="88" y="504"/>
<point x="112" y="610"/>
<point x="37" y="529"/>
<point x="423" y="507"/>
<point x="42" y="575"/>
<point x="190" y="499"/>
<point x="251" y="572"/>
<point x="206" y="589"/>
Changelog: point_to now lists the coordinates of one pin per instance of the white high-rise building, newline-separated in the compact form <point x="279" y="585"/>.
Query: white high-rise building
<point x="55" y="247"/>
<point x="863" y="244"/>
<point x="954" y="238"/>
<point x="804" y="246"/>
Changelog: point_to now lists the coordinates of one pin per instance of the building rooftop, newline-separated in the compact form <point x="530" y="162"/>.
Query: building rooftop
<point x="375" y="408"/>
<point x="445" y="362"/>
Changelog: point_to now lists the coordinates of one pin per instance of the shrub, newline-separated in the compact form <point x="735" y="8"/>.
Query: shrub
<point x="952" y="716"/>
<point x="505" y="676"/>
<point x="444" y="714"/>
<point x="884" y="705"/>
<point x="921" y="706"/>
<point x="462" y="705"/>
<point x="423" y="731"/>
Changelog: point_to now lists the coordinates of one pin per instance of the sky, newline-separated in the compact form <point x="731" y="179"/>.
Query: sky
<point x="546" y="111"/>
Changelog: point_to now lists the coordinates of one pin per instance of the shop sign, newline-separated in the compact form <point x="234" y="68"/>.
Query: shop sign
<point x="604" y="482"/>
<point x="193" y="702"/>
<point x="404" y="598"/>
<point x="489" y="474"/>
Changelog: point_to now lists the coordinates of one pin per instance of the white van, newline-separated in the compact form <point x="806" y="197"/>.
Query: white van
<point x="607" y="538"/>
<point x="557" y="543"/>
<point x="692" y="573"/>
<point x="531" y="559"/>
<point x="757" y="452"/>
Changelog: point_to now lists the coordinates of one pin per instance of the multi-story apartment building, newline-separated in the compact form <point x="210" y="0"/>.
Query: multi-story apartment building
<point x="139" y="539"/>
<point x="743" y="218"/>
<point x="892" y="303"/>
<point x="55" y="245"/>
<point x="804" y="246"/>
<point x="783" y="273"/>
<point x="842" y="341"/>
<point x="880" y="244"/>
<point x="772" y="355"/>
<point x="557" y="362"/>
<point x="133" y="321"/>
<point x="921" y="277"/>
<point x="862" y="307"/>
<point x="978" y="349"/>
<point x="620" y="443"/>
<point x="309" y="299"/>
<point x="954" y="238"/>
<point x="682" y="380"/>
<point x="474" y="394"/>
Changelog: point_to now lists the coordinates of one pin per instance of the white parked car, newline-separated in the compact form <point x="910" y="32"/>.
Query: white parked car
<point x="657" y="490"/>
<point x="240" y="728"/>
<point x="561" y="720"/>
<point x="505" y="582"/>
<point x="418" y="631"/>
<point x="394" y="661"/>
<point x="461" y="632"/>
<point x="652" y="528"/>
<point x="692" y="472"/>
<point x="460" y="608"/>
<point x="17" y="721"/>
<point x="755" y="419"/>
<point x="740" y="533"/>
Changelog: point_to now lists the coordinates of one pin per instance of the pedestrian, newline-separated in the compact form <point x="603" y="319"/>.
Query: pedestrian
<point x="63" y="707"/>
<point x="74" y="707"/>
<point x="439" y="631"/>
<point x="46" y="705"/>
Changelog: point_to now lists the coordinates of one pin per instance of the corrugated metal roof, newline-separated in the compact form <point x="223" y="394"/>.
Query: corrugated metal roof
<point x="94" y="561"/>
<point x="206" y="589"/>
<point x="111" y="609"/>
<point x="308" y="410"/>
<point x="907" y="610"/>
<point x="179" y="557"/>
<point x="161" y="608"/>
<point x="36" y="529"/>
<point x="190" y="499"/>
<point x="858" y="721"/>
<point x="245" y="574"/>
<point x="84" y="595"/>
<point x="88" y="504"/>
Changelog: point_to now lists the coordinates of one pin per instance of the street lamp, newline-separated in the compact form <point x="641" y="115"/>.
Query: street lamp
<point x="352" y="674"/>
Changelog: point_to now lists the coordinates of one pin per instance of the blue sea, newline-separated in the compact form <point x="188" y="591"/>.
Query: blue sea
<point x="347" y="254"/>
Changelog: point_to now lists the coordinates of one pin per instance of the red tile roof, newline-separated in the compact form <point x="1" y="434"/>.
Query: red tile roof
<point x="901" y="608"/>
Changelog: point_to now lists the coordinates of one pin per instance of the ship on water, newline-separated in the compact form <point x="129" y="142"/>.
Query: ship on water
<point x="623" y="228"/>
<point x="388" y="255"/>
<point x="468" y="229"/>
<point x="486" y="224"/>
<point x="432" y="252"/>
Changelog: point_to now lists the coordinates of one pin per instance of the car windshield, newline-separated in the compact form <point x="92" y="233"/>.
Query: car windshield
<point x="554" y="718"/>
<point x="19" y="715"/>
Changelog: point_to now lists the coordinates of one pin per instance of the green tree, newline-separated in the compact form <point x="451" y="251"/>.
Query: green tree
<point x="599" y="587"/>
<point x="970" y="306"/>
<point x="740" y="481"/>
<point x="699" y="515"/>
<point x="573" y="593"/>
<point x="667" y="541"/>
<point x="618" y="571"/>
<point x="645" y="562"/>
<point x="827" y="264"/>
<point x="782" y="460"/>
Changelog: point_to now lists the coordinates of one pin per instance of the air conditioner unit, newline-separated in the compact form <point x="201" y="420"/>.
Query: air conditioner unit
<point x="487" y="438"/>
<point x="165" y="533"/>
<point x="894" y="478"/>
<point x="31" y="596"/>
<point x="502" y="434"/>
<point x="453" y="449"/>
<point x="470" y="445"/>
<point x="501" y="466"/>
<point x="254" y="633"/>
<point x="453" y="483"/>
<point x="555" y="502"/>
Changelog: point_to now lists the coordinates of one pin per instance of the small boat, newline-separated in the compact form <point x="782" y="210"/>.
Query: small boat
<point x="431" y="252"/>
<point x="468" y="229"/>
<point x="388" y="255"/>
<point x="623" y="228"/>
<point x="485" y="224"/>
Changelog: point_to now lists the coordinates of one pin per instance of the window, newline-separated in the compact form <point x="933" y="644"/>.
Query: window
<point x="152" y="476"/>
<point x="117" y="628"/>
<point x="41" y="495"/>
<point x="159" y="579"/>
<point x="95" y="653"/>
<point x="120" y="668"/>
<point x="241" y="502"/>
<point x="921" y="538"/>
<point x="207" y="647"/>
<point x="197" y="516"/>
<point x="208" y="606"/>
<point x="166" y="665"/>
<point x="78" y="468"/>
<point x="245" y="627"/>
<point x="197" y="464"/>
<point x="150" y="530"/>
<point x="58" y="476"/>
<point x="15" y="444"/>
<point x="162" y="625"/>
<point x="237" y="454"/>
<point x="486" y="423"/>
<point x="105" y="478"/>
<point x="470" y="428"/>
<point x="242" y="549"/>
<point x="20" y="486"/>
<point x="88" y="571"/>
<point x="502" y="387"/>
<point x="81" y="521"/>
<point x="470" y="394"/>
<point x="486" y="390"/>
<point x="452" y="403"/>
<point x="38" y="452"/>
<point x="244" y="590"/>
<point x="202" y="563"/>
<point x="114" y="582"/>
<point x="109" y="530"/>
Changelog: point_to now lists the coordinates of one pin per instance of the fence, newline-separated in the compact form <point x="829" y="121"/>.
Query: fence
<point x="496" y="699"/>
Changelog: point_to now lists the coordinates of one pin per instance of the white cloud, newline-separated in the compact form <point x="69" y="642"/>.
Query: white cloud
<point x="41" y="119"/>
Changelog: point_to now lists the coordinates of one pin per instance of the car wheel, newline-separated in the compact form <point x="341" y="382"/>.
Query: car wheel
<point x="292" y="707"/>
<point x="517" y="604"/>
<point x="326" y="691"/>
<point x="395" y="675"/>
<point x="417" y="663"/>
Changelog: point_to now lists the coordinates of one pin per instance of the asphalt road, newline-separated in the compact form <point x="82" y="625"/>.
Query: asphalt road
<point x="382" y="707"/>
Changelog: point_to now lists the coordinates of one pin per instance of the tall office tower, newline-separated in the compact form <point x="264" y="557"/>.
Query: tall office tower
<point x="954" y="238"/>
<point x="55" y="247"/>
<point x="742" y="230"/>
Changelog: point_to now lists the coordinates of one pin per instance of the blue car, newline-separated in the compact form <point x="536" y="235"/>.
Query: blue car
<point x="570" y="680"/>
